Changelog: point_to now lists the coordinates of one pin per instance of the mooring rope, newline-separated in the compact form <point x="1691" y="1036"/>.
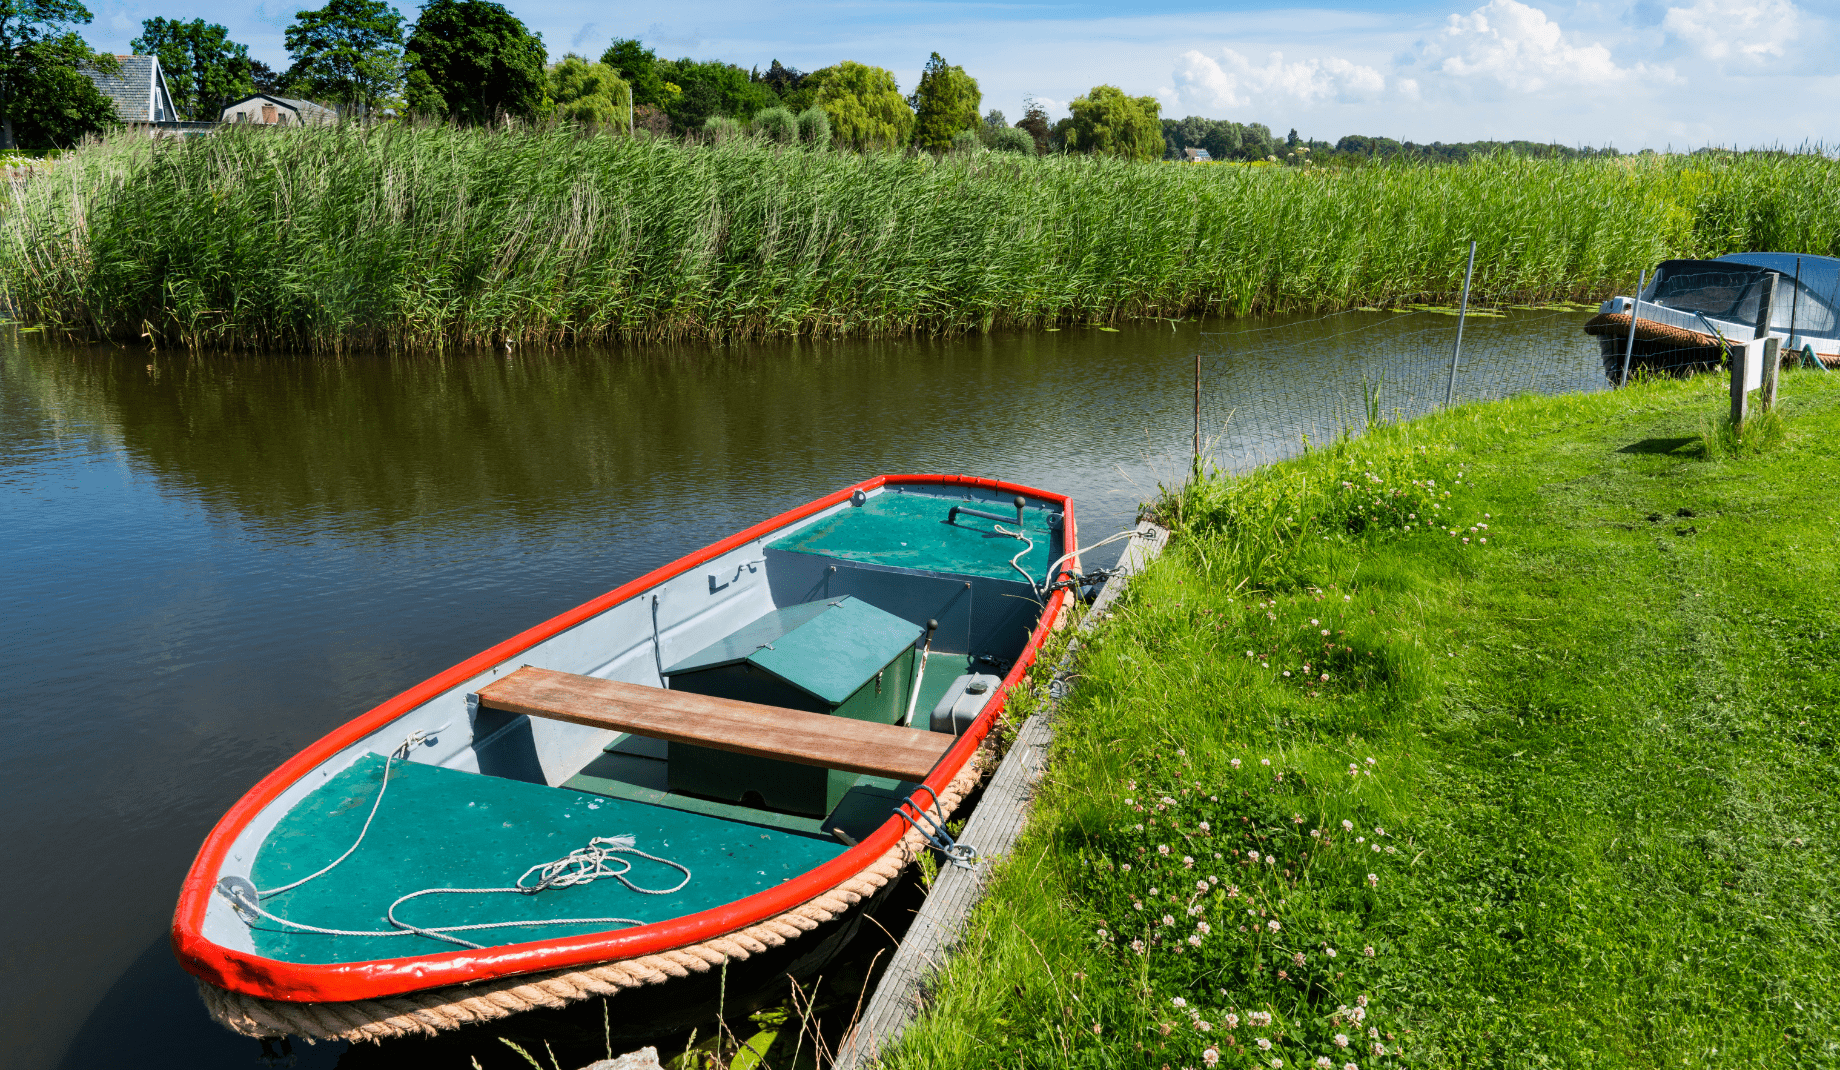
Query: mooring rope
<point x="584" y="865"/>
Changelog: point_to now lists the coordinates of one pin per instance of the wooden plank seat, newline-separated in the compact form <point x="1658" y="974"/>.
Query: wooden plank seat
<point x="721" y="724"/>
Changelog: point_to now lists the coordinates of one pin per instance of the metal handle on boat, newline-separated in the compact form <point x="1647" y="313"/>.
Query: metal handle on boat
<point x="952" y="514"/>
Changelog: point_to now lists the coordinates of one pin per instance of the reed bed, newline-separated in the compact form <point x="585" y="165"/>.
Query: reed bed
<point x="407" y="237"/>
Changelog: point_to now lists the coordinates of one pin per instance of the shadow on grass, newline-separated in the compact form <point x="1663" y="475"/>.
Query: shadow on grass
<point x="1662" y="445"/>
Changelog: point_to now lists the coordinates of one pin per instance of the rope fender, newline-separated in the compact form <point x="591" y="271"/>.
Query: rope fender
<point x="428" y="1013"/>
<point x="1616" y="324"/>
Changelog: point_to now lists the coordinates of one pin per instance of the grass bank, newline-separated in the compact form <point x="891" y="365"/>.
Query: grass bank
<point x="1344" y="783"/>
<point x="421" y="237"/>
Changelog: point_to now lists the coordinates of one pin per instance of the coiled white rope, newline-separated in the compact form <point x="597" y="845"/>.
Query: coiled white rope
<point x="584" y="865"/>
<point x="1049" y="581"/>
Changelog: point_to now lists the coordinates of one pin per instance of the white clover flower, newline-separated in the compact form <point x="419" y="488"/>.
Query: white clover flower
<point x="1203" y="928"/>
<point x="1254" y="855"/>
<point x="1259" y="1019"/>
<point x="1325" y="631"/>
<point x="1360" y="839"/>
<point x="1168" y="920"/>
<point x="1126" y="867"/>
<point x="1235" y="763"/>
<point x="1264" y="761"/>
<point x="1376" y="848"/>
<point x="1329" y="952"/>
<point x="1360" y="1001"/>
<point x="1368" y="951"/>
<point x="1323" y="1062"/>
<point x="1298" y="958"/>
<point x="1347" y="826"/>
<point x="1316" y="834"/>
<point x="1313" y="620"/>
<point x="1271" y="860"/>
<point x="1232" y="1020"/>
<point x="1373" y="880"/>
<point x="1201" y="886"/>
<point x="1178" y="1002"/>
<point x="1232" y="891"/>
<point x="1379" y="1049"/>
<point x="1211" y="1057"/>
<point x="1188" y="861"/>
<point x="1273" y="925"/>
<point x="1373" y="1032"/>
<point x="1264" y="1045"/>
<point x="1205" y="827"/>
<point x="1162" y="848"/>
<point x="1350" y="1066"/>
<point x="1137" y="946"/>
<point x="1341" y="1040"/>
<point x="1203" y="1025"/>
<point x="1194" y="940"/>
<point x="1277" y="1064"/>
<point x="1103" y="935"/>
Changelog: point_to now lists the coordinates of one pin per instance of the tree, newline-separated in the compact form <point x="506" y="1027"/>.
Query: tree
<point x="637" y="65"/>
<point x="34" y="40"/>
<point x="57" y="106"/>
<point x="788" y="83"/>
<point x="263" y="78"/>
<point x="472" y="59"/>
<point x="1035" y="121"/>
<point x="205" y="70"/>
<point x="864" y="104"/>
<point x="711" y="88"/>
<point x="348" y="52"/>
<point x="589" y="93"/>
<point x="945" y="102"/>
<point x="1107" y="122"/>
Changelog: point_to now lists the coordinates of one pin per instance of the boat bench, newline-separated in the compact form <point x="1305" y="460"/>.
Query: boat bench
<point x="749" y="728"/>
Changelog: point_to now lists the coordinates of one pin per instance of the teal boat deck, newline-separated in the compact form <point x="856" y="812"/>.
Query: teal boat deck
<point x="910" y="531"/>
<point x="444" y="828"/>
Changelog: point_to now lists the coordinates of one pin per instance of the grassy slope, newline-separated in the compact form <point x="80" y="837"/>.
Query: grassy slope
<point x="1604" y="763"/>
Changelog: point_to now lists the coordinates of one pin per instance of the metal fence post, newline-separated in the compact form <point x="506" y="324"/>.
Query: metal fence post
<point x="1635" y="311"/>
<point x="1462" y="311"/>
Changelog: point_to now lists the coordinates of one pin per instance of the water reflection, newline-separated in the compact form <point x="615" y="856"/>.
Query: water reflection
<point x="212" y="561"/>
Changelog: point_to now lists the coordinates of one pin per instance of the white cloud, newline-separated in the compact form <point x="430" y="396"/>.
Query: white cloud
<point x="1523" y="50"/>
<point x="1205" y="84"/>
<point x="1750" y="32"/>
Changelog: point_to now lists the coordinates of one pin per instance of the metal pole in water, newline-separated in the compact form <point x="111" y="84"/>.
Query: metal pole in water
<point x="1197" y="415"/>
<point x="1462" y="311"/>
<point x="1635" y="311"/>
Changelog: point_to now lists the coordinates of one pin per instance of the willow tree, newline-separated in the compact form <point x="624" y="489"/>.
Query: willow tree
<point x="864" y="104"/>
<point x="1108" y="123"/>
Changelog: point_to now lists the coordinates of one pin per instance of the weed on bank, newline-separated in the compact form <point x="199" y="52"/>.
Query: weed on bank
<point x="1500" y="738"/>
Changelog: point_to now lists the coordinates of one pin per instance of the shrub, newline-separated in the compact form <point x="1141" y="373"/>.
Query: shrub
<point x="720" y="128"/>
<point x="815" y="127"/>
<point x="776" y="125"/>
<point x="965" y="141"/>
<point x="1010" y="139"/>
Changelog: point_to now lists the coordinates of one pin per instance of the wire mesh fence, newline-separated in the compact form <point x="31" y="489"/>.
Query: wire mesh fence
<point x="1270" y="390"/>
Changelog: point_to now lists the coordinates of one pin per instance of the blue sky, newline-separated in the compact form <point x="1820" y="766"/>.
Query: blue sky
<point x="1634" y="73"/>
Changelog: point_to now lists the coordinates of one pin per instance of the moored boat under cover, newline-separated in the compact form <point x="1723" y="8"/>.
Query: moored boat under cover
<point x="301" y="913"/>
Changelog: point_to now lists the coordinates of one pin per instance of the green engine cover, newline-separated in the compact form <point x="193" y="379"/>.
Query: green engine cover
<point x="840" y="656"/>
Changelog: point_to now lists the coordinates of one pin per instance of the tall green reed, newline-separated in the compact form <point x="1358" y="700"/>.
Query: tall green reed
<point x="407" y="237"/>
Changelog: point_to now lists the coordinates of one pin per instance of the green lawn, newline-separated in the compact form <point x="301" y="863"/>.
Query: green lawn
<point x="1575" y="786"/>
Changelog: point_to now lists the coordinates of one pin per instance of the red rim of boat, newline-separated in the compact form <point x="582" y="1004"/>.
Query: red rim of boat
<point x="299" y="982"/>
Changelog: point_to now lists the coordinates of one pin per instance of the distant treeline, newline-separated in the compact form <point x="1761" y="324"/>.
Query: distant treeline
<point x="1224" y="139"/>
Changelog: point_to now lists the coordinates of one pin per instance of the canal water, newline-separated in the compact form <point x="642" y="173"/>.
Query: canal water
<point x="211" y="561"/>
